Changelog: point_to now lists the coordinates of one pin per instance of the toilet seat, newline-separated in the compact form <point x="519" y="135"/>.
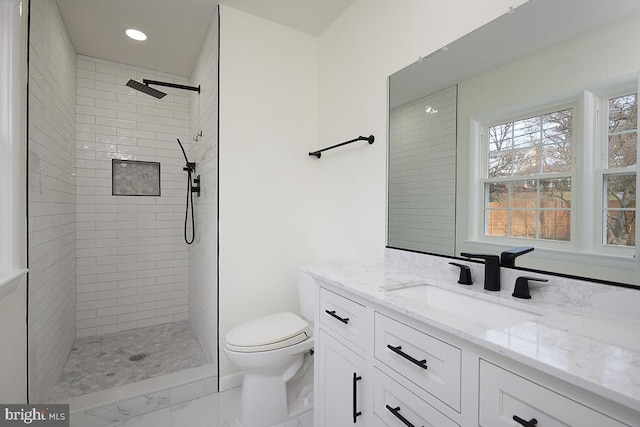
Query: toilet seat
<point x="268" y="333"/>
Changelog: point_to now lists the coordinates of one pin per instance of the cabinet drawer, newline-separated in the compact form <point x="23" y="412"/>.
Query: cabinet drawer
<point x="343" y="316"/>
<point x="504" y="394"/>
<point x="431" y="364"/>
<point x="392" y="403"/>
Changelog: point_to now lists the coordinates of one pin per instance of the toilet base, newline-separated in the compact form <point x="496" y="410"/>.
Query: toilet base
<point x="263" y="401"/>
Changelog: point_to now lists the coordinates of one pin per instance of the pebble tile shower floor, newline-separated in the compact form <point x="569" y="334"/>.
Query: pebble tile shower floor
<point x="106" y="361"/>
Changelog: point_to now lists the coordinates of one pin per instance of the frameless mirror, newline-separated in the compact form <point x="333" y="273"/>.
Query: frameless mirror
<point x="547" y="81"/>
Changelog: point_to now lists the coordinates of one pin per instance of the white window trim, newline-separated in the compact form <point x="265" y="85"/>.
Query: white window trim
<point x="602" y="169"/>
<point x="583" y="247"/>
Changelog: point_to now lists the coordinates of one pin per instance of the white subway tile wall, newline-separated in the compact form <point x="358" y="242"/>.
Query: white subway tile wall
<point x="52" y="255"/>
<point x="132" y="264"/>
<point x="422" y="177"/>
<point x="203" y="290"/>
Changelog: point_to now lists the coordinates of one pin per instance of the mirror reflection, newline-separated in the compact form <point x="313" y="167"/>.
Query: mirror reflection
<point x="539" y="148"/>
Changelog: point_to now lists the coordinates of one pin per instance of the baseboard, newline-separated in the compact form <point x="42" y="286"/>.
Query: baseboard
<point x="231" y="381"/>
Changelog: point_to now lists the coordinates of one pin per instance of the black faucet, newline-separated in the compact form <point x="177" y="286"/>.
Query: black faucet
<point x="508" y="258"/>
<point x="491" y="270"/>
<point x="521" y="289"/>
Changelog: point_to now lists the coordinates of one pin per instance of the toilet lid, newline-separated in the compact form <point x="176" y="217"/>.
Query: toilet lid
<point x="268" y="333"/>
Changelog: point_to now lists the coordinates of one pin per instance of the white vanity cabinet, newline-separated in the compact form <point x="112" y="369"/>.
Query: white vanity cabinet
<point x="504" y="395"/>
<point x="378" y="367"/>
<point x="373" y="370"/>
<point x="340" y="386"/>
<point x="429" y="363"/>
<point x="340" y="362"/>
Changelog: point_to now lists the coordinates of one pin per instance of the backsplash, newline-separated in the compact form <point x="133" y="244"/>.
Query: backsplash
<point x="559" y="291"/>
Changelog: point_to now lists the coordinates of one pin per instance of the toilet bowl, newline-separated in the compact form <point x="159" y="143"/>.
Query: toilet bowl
<point x="271" y="351"/>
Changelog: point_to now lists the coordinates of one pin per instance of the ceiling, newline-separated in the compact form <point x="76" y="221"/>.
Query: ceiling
<point x="176" y="28"/>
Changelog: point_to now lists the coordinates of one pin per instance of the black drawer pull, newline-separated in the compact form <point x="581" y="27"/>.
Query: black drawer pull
<point x="356" y="413"/>
<point x="398" y="350"/>
<point x="396" y="412"/>
<point x="531" y="423"/>
<point x="333" y="314"/>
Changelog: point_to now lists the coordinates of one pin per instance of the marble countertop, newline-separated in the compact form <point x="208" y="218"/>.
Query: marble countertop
<point x="587" y="335"/>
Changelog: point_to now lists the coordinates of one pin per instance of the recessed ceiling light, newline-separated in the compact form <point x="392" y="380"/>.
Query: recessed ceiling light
<point x="136" y="34"/>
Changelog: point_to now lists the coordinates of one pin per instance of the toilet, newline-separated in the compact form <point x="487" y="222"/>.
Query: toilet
<point x="273" y="351"/>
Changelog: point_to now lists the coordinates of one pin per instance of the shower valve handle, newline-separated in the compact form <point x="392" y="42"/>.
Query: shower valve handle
<point x="196" y="187"/>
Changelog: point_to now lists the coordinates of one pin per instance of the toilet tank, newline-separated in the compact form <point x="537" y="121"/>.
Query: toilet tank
<point x="307" y="292"/>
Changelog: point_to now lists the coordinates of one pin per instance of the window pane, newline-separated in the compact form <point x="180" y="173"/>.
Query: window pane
<point x="623" y="127"/>
<point x="524" y="194"/>
<point x="556" y="158"/>
<point x="557" y="127"/>
<point x="621" y="228"/>
<point x="555" y="193"/>
<point x="623" y="113"/>
<point x="526" y="161"/>
<point x="540" y="144"/>
<point x="555" y="224"/>
<point x="500" y="164"/>
<point x="620" y="212"/>
<point x="498" y="195"/>
<point x="523" y="224"/>
<point x="497" y="222"/>
<point x="621" y="191"/>
<point x="500" y="137"/>
<point x="623" y="149"/>
<point x="526" y="133"/>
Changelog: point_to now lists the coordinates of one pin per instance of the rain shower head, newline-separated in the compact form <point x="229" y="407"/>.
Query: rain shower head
<point x="145" y="89"/>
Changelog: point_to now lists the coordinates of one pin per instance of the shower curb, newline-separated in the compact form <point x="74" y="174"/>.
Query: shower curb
<point x="106" y="407"/>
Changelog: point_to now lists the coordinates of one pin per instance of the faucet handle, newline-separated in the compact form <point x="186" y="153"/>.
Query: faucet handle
<point x="465" y="274"/>
<point x="521" y="290"/>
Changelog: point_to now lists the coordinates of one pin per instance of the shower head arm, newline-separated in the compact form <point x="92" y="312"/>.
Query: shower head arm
<point x="173" y="85"/>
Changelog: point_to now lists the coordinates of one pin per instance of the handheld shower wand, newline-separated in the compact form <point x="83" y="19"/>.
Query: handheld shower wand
<point x="193" y="186"/>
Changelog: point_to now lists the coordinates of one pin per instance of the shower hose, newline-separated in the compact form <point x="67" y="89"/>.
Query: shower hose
<point x="186" y="212"/>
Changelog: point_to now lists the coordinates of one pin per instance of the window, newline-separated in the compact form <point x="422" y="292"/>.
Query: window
<point x="528" y="182"/>
<point x="529" y="186"/>
<point x="619" y="175"/>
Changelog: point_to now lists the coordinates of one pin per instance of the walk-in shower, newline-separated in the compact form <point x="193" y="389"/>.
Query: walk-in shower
<point x="122" y="314"/>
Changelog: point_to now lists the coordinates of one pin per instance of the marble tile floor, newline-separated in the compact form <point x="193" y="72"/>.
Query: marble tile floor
<point x="214" y="410"/>
<point x="111" y="360"/>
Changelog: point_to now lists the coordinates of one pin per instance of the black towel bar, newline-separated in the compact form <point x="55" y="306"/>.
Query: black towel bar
<point x="369" y="138"/>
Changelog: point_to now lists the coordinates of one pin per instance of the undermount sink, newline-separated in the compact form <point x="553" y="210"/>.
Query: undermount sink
<point x="463" y="311"/>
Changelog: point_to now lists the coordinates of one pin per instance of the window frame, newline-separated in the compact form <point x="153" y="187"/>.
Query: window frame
<point x="482" y="126"/>
<point x="602" y="168"/>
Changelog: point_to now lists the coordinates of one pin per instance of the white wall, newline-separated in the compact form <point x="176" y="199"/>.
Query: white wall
<point x="132" y="265"/>
<point x="52" y="231"/>
<point x="268" y="124"/>
<point x="203" y="253"/>
<point x="13" y="325"/>
<point x="370" y="41"/>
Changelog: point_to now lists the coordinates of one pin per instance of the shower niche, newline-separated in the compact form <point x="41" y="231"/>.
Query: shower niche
<point x="135" y="178"/>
